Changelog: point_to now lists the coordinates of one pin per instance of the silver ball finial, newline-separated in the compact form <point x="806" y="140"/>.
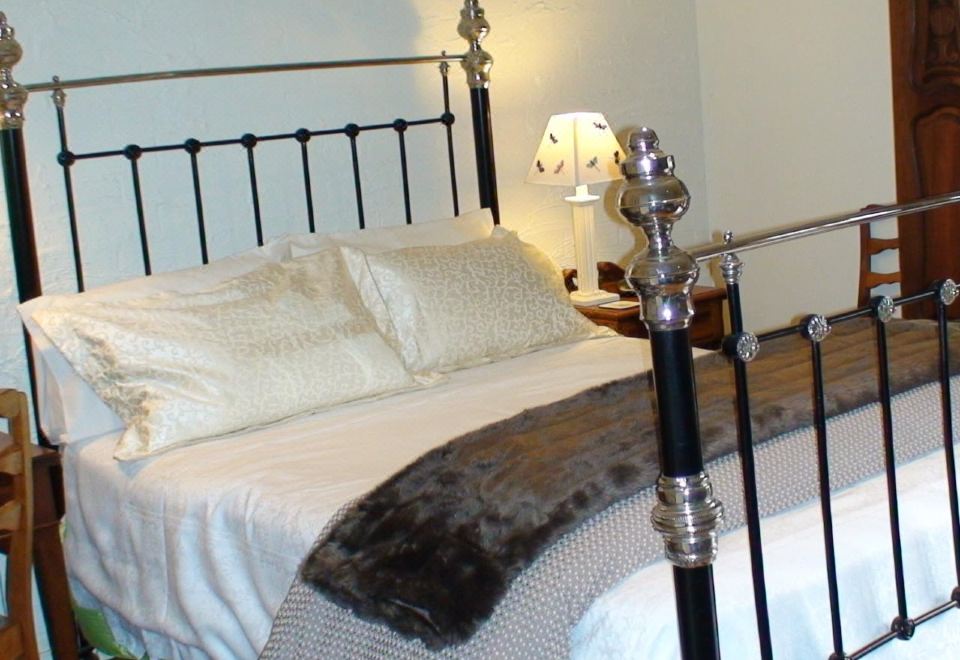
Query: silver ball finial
<point x="12" y="94"/>
<point x="474" y="28"/>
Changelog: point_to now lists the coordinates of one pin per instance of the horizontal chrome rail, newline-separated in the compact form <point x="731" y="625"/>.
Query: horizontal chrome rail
<point x="753" y="240"/>
<point x="236" y="71"/>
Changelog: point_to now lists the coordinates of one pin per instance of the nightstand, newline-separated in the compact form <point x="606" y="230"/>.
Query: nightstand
<point x="707" y="329"/>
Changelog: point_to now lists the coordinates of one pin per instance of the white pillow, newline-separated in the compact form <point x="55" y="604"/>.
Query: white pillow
<point x="69" y="409"/>
<point x="452" y="306"/>
<point x="284" y="339"/>
<point x="447" y="231"/>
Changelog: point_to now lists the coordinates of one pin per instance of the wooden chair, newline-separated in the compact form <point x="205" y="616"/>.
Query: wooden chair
<point x="17" y="636"/>
<point x="869" y="279"/>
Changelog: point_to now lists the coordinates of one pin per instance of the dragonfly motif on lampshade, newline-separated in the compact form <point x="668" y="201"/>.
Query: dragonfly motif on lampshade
<point x="577" y="149"/>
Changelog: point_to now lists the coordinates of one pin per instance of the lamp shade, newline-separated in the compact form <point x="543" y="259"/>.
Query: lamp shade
<point x="578" y="148"/>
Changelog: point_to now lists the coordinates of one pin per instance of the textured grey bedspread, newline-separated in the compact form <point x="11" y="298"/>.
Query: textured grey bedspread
<point x="534" y="617"/>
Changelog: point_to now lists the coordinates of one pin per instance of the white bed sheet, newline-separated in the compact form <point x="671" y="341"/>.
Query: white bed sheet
<point x="636" y="619"/>
<point x="234" y="517"/>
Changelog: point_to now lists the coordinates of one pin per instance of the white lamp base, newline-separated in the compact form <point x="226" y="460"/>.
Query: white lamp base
<point x="592" y="298"/>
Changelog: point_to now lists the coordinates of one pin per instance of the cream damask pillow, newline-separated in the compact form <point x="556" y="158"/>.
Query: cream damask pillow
<point x="284" y="339"/>
<point x="452" y="306"/>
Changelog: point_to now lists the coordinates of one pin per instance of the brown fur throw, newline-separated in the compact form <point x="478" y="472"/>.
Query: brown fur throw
<point x="431" y="551"/>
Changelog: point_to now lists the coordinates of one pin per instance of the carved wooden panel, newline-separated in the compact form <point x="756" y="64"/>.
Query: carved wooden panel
<point x="936" y="136"/>
<point x="937" y="52"/>
<point x="925" y="59"/>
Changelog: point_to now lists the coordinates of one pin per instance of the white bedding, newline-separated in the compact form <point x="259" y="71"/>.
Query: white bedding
<point x="235" y="516"/>
<point x="632" y="620"/>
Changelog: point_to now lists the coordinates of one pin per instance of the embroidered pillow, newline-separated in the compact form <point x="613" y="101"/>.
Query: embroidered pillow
<point x="452" y="306"/>
<point x="69" y="408"/>
<point x="284" y="339"/>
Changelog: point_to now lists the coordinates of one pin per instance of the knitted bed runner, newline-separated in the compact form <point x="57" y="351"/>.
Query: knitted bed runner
<point x="431" y="550"/>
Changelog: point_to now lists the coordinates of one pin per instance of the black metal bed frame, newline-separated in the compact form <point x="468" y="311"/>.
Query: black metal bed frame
<point x="651" y="198"/>
<point x="476" y="62"/>
<point x="687" y="514"/>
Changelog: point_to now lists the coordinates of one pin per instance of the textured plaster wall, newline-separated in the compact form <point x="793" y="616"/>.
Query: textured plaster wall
<point x="797" y="116"/>
<point x="635" y="61"/>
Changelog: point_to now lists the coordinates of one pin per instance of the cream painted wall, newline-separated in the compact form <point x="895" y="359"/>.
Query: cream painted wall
<point x="783" y="107"/>
<point x="550" y="57"/>
<point x="798" y="124"/>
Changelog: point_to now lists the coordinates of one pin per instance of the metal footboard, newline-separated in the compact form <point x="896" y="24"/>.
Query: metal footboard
<point x="687" y="514"/>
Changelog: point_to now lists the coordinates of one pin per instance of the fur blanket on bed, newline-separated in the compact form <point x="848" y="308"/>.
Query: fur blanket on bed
<point x="431" y="551"/>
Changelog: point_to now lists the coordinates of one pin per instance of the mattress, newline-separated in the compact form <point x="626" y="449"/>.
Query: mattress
<point x="232" y="518"/>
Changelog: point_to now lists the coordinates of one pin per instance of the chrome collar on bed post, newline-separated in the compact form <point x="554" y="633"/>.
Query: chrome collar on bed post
<point x="12" y="95"/>
<point x="474" y="28"/>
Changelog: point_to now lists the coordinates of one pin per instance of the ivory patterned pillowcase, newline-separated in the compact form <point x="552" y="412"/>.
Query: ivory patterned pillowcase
<point x="284" y="339"/>
<point x="452" y="306"/>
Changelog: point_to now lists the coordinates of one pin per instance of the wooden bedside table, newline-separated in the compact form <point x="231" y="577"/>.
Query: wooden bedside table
<point x="706" y="331"/>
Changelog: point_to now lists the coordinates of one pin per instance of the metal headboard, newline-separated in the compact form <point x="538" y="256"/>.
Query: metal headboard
<point x="476" y="62"/>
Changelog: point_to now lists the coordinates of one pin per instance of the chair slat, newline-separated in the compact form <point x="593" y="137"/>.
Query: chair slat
<point x="10" y="516"/>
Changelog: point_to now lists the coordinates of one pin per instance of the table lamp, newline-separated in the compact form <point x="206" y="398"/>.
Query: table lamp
<point x="577" y="149"/>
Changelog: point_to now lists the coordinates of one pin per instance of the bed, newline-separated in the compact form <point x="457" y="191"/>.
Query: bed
<point x="190" y="548"/>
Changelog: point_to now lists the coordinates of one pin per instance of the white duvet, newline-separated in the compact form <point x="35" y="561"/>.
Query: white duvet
<point x="632" y="621"/>
<point x="197" y="547"/>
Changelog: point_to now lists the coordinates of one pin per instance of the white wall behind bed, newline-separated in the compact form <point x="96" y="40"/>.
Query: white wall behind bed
<point x="798" y="124"/>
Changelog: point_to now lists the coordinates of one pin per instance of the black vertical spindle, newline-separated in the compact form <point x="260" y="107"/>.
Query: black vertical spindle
<point x="303" y="136"/>
<point x="132" y="153"/>
<point x="447" y="119"/>
<point x="192" y="147"/>
<point x="816" y="329"/>
<point x="743" y="347"/>
<point x="249" y="141"/>
<point x="352" y="131"/>
<point x="66" y="159"/>
<point x="947" y="407"/>
<point x="883" y="311"/>
<point x="400" y="126"/>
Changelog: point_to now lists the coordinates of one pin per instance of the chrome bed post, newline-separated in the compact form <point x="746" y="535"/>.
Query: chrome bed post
<point x="13" y="96"/>
<point x="477" y="63"/>
<point x="686" y="513"/>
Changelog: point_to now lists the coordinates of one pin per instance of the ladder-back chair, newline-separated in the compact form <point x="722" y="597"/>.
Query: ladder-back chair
<point x="17" y="637"/>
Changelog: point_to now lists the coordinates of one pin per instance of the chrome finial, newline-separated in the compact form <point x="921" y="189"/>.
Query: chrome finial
<point x="652" y="198"/>
<point x="59" y="96"/>
<point x="474" y="28"/>
<point x="730" y="265"/>
<point x="12" y="95"/>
